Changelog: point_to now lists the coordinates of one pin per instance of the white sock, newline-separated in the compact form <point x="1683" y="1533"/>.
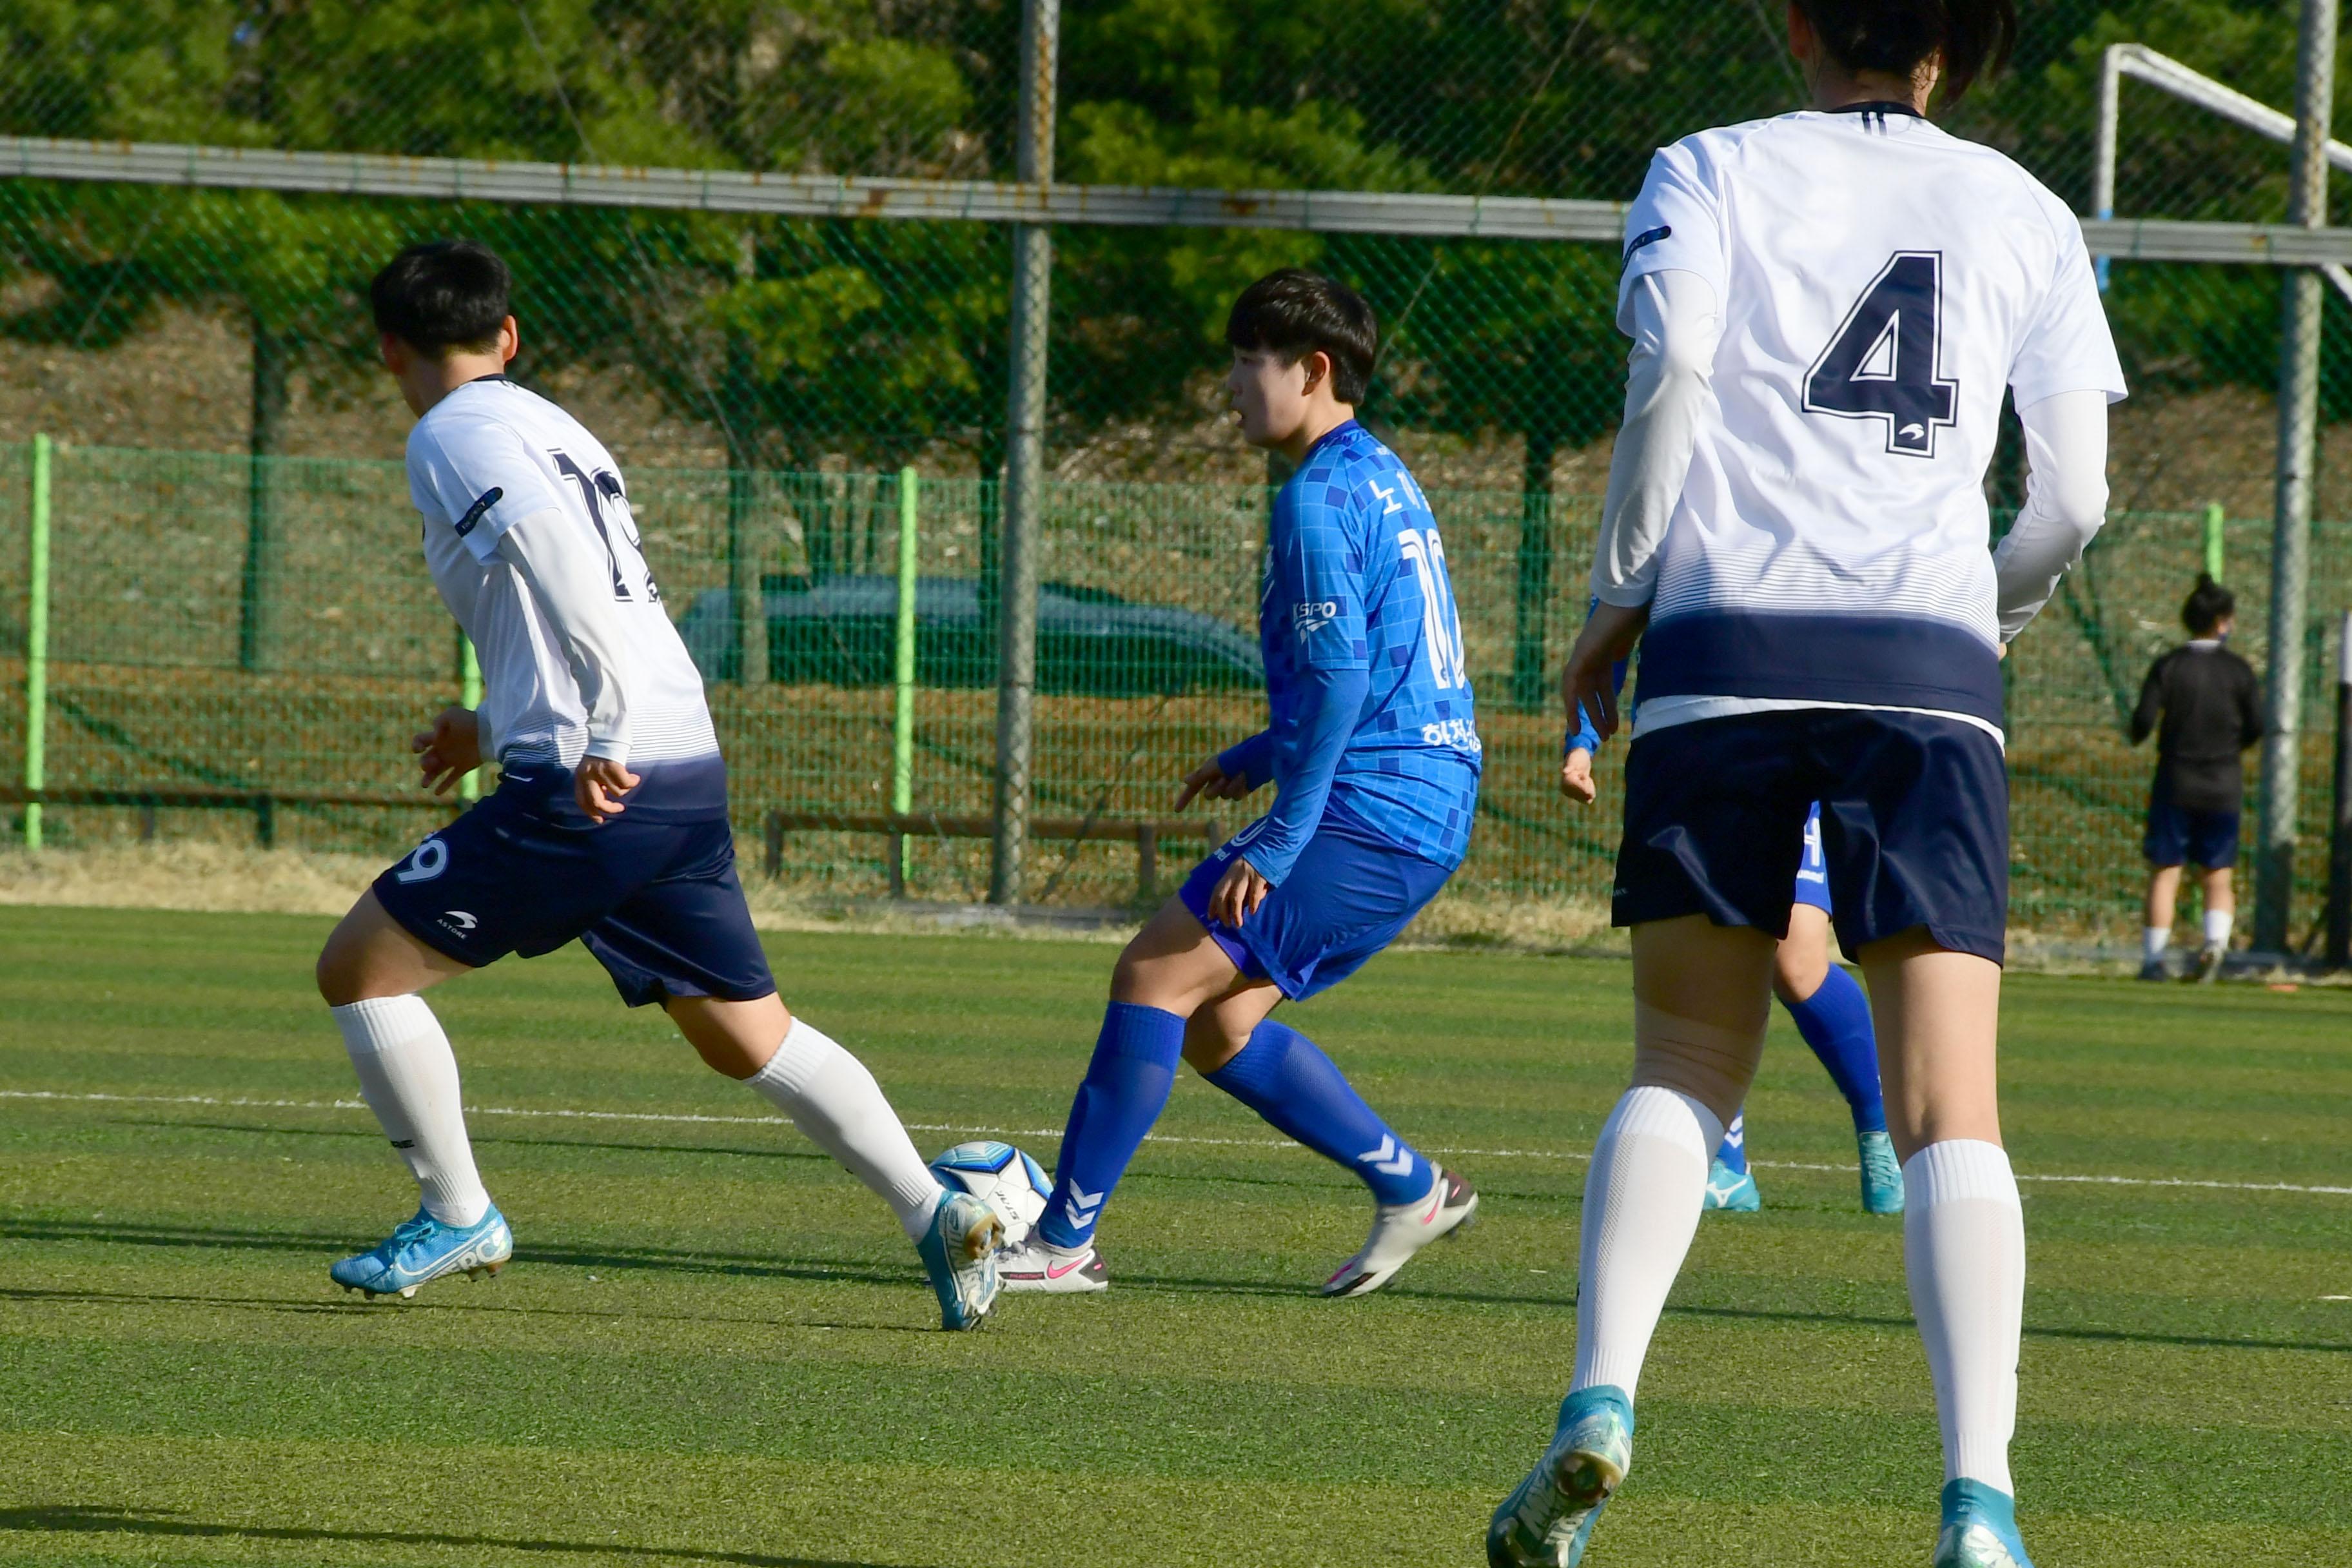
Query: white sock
<point x="2217" y="927"/>
<point x="1964" y="1249"/>
<point x="835" y="1103"/>
<point x="1642" y="1201"/>
<point x="2153" y="940"/>
<point x="408" y="1076"/>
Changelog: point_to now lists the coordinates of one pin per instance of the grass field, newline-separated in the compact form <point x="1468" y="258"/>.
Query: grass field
<point x="712" y="1347"/>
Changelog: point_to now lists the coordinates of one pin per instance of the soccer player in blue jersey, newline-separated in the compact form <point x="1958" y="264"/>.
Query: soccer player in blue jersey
<point x="1373" y="745"/>
<point x="1825" y="1003"/>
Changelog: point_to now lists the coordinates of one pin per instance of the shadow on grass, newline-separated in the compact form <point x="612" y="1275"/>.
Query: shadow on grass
<point x="345" y="1306"/>
<point x="738" y="1265"/>
<point x="650" y="1259"/>
<point x="70" y="1519"/>
<point x="372" y="1135"/>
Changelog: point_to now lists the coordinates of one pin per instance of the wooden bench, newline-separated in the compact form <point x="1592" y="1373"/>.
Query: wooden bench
<point x="1145" y="835"/>
<point x="262" y="803"/>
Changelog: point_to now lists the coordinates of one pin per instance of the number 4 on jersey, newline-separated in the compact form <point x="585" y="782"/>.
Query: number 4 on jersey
<point x="1882" y="362"/>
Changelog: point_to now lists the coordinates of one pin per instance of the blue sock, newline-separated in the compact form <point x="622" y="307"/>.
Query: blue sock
<point x="1733" y="1155"/>
<point x="1284" y="1078"/>
<point x="1835" y="1021"/>
<point x="1125" y="1088"/>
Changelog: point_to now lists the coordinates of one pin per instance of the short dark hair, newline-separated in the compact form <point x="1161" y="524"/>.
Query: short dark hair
<point x="2207" y="606"/>
<point x="1897" y="36"/>
<point x="1294" y="313"/>
<point x="442" y="294"/>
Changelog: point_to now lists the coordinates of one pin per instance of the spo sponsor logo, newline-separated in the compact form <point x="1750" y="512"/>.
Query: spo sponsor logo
<point x="1312" y="617"/>
<point x="1462" y="734"/>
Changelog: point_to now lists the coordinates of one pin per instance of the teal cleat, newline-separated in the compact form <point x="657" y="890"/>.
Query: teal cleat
<point x="1547" y="1521"/>
<point x="1882" y="1173"/>
<point x="958" y="1253"/>
<point x="1732" y="1190"/>
<point x="422" y="1250"/>
<point x="1979" y="1528"/>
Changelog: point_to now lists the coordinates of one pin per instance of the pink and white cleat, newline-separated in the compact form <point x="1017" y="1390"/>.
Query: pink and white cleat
<point x="1400" y="1230"/>
<point x="1034" y="1267"/>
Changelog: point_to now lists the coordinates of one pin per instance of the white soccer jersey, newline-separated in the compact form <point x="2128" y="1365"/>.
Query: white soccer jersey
<point x="1880" y="284"/>
<point x="488" y="459"/>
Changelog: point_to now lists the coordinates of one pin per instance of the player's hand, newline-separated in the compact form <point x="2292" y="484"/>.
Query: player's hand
<point x="450" y="750"/>
<point x="1576" y="776"/>
<point x="1609" y="635"/>
<point x="1210" y="781"/>
<point x="598" y="784"/>
<point x="1237" y="894"/>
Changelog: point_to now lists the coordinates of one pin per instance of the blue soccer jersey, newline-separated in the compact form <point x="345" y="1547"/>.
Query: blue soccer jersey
<point x="1357" y="606"/>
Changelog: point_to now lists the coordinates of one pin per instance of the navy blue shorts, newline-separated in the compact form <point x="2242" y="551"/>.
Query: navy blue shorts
<point x="1913" y="825"/>
<point x="1813" y="870"/>
<point x="657" y="903"/>
<point x="1347" y="896"/>
<point x="2178" y="836"/>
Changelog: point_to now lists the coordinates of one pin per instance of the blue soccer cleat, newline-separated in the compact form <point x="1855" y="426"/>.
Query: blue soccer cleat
<point x="958" y="1253"/>
<point x="1881" y="1173"/>
<point x="422" y="1250"/>
<point x="1732" y="1190"/>
<point x="1547" y="1521"/>
<point x="1979" y="1528"/>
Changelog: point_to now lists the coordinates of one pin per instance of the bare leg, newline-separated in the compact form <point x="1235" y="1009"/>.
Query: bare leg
<point x="1801" y="960"/>
<point x="1217" y="1030"/>
<point x="2163" y="891"/>
<point x="2220" y="890"/>
<point x="370" y="954"/>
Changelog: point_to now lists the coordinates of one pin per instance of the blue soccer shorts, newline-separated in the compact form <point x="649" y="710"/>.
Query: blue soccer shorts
<point x="657" y="903"/>
<point x="2178" y="836"/>
<point x="1913" y="825"/>
<point x="1347" y="896"/>
<point x="1813" y="870"/>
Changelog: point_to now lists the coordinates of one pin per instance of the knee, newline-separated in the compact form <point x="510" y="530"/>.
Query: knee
<point x="1797" y="976"/>
<point x="1711" y="1064"/>
<point x="1210" y="1043"/>
<point x="336" y="974"/>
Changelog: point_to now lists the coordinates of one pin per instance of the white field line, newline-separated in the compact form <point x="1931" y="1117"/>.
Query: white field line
<point x="227" y="1102"/>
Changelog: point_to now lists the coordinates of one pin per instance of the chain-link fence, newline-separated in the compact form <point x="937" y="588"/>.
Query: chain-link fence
<point x="155" y="692"/>
<point x="804" y="354"/>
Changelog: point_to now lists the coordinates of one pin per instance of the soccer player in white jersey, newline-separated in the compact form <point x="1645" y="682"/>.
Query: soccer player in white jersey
<point x="609" y="821"/>
<point x="1825" y="308"/>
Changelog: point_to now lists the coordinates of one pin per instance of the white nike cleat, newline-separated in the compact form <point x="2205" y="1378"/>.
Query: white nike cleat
<point x="1400" y="1230"/>
<point x="1037" y="1268"/>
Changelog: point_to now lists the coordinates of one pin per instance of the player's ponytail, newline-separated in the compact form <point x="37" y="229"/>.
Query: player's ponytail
<point x="1897" y="37"/>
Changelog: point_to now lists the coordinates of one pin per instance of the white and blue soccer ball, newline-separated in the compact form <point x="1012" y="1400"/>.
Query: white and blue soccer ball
<point x="1004" y="1178"/>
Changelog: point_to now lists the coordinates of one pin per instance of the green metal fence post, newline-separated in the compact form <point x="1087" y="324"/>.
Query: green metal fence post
<point x="469" y="687"/>
<point x="36" y="642"/>
<point x="902" y="733"/>
<point x="2213" y="516"/>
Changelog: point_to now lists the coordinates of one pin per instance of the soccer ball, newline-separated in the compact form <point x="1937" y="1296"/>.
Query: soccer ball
<point x="1004" y="1178"/>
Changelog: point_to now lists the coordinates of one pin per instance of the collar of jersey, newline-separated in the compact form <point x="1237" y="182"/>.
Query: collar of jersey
<point x="1878" y="106"/>
<point x="1328" y="437"/>
<point x="494" y="376"/>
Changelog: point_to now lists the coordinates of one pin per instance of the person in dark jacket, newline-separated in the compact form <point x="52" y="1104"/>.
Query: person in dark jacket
<point x="2210" y="709"/>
